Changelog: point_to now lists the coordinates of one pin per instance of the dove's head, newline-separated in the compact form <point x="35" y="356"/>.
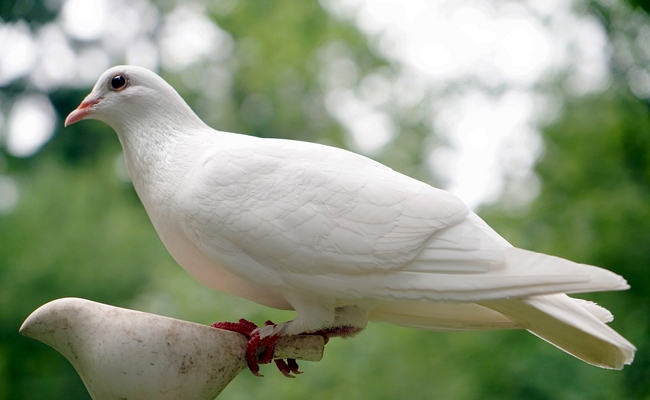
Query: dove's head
<point x="126" y="95"/>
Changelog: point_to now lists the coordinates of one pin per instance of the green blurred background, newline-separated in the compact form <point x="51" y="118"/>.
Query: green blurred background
<point x="72" y="225"/>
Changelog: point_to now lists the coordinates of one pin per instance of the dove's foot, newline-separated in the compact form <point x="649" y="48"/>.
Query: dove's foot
<point x="259" y="350"/>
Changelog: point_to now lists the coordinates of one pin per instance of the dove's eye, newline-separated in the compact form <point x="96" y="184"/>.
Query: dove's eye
<point x="118" y="82"/>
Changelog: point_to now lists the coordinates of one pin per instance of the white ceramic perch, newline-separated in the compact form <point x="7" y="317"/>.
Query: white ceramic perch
<point x="126" y="354"/>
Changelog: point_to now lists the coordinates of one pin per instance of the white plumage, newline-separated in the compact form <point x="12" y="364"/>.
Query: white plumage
<point x="335" y="236"/>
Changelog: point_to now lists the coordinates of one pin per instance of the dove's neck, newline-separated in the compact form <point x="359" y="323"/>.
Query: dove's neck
<point x="158" y="150"/>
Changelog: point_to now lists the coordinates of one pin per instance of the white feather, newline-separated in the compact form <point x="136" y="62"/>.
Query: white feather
<point x="336" y="236"/>
<point x="563" y="323"/>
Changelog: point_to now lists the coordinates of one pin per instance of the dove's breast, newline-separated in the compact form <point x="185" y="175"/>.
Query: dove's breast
<point x="164" y="195"/>
<point x="210" y="272"/>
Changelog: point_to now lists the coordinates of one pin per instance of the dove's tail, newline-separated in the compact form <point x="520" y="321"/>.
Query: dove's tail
<point x="573" y="325"/>
<point x="570" y="326"/>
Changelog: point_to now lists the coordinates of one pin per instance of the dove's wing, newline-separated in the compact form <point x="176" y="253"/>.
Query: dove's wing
<point x="308" y="217"/>
<point x="315" y="209"/>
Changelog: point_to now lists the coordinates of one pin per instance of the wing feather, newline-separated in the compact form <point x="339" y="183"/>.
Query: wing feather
<point x="342" y="225"/>
<point x="339" y="212"/>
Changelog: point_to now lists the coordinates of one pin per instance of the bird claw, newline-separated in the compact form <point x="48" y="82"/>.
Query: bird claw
<point x="260" y="350"/>
<point x="288" y="367"/>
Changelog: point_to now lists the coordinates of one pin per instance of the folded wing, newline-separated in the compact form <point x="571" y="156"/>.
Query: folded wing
<point x="339" y="224"/>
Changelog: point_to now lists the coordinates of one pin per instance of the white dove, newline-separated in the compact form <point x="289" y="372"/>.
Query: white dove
<point x="335" y="236"/>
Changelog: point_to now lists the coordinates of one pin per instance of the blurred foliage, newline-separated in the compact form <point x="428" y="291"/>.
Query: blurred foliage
<point x="593" y="208"/>
<point x="79" y="229"/>
<point x="644" y="4"/>
<point x="34" y="11"/>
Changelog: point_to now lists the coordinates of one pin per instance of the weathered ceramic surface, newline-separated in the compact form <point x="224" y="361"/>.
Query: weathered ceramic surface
<point x="126" y="354"/>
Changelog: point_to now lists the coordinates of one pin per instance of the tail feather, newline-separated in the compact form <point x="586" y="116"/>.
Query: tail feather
<point x="441" y="316"/>
<point x="459" y="316"/>
<point x="571" y="326"/>
<point x="603" y="314"/>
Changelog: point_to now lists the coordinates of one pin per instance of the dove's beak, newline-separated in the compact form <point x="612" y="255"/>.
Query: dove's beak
<point x="85" y="108"/>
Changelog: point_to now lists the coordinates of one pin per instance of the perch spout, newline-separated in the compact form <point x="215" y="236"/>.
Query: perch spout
<point x="122" y="353"/>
